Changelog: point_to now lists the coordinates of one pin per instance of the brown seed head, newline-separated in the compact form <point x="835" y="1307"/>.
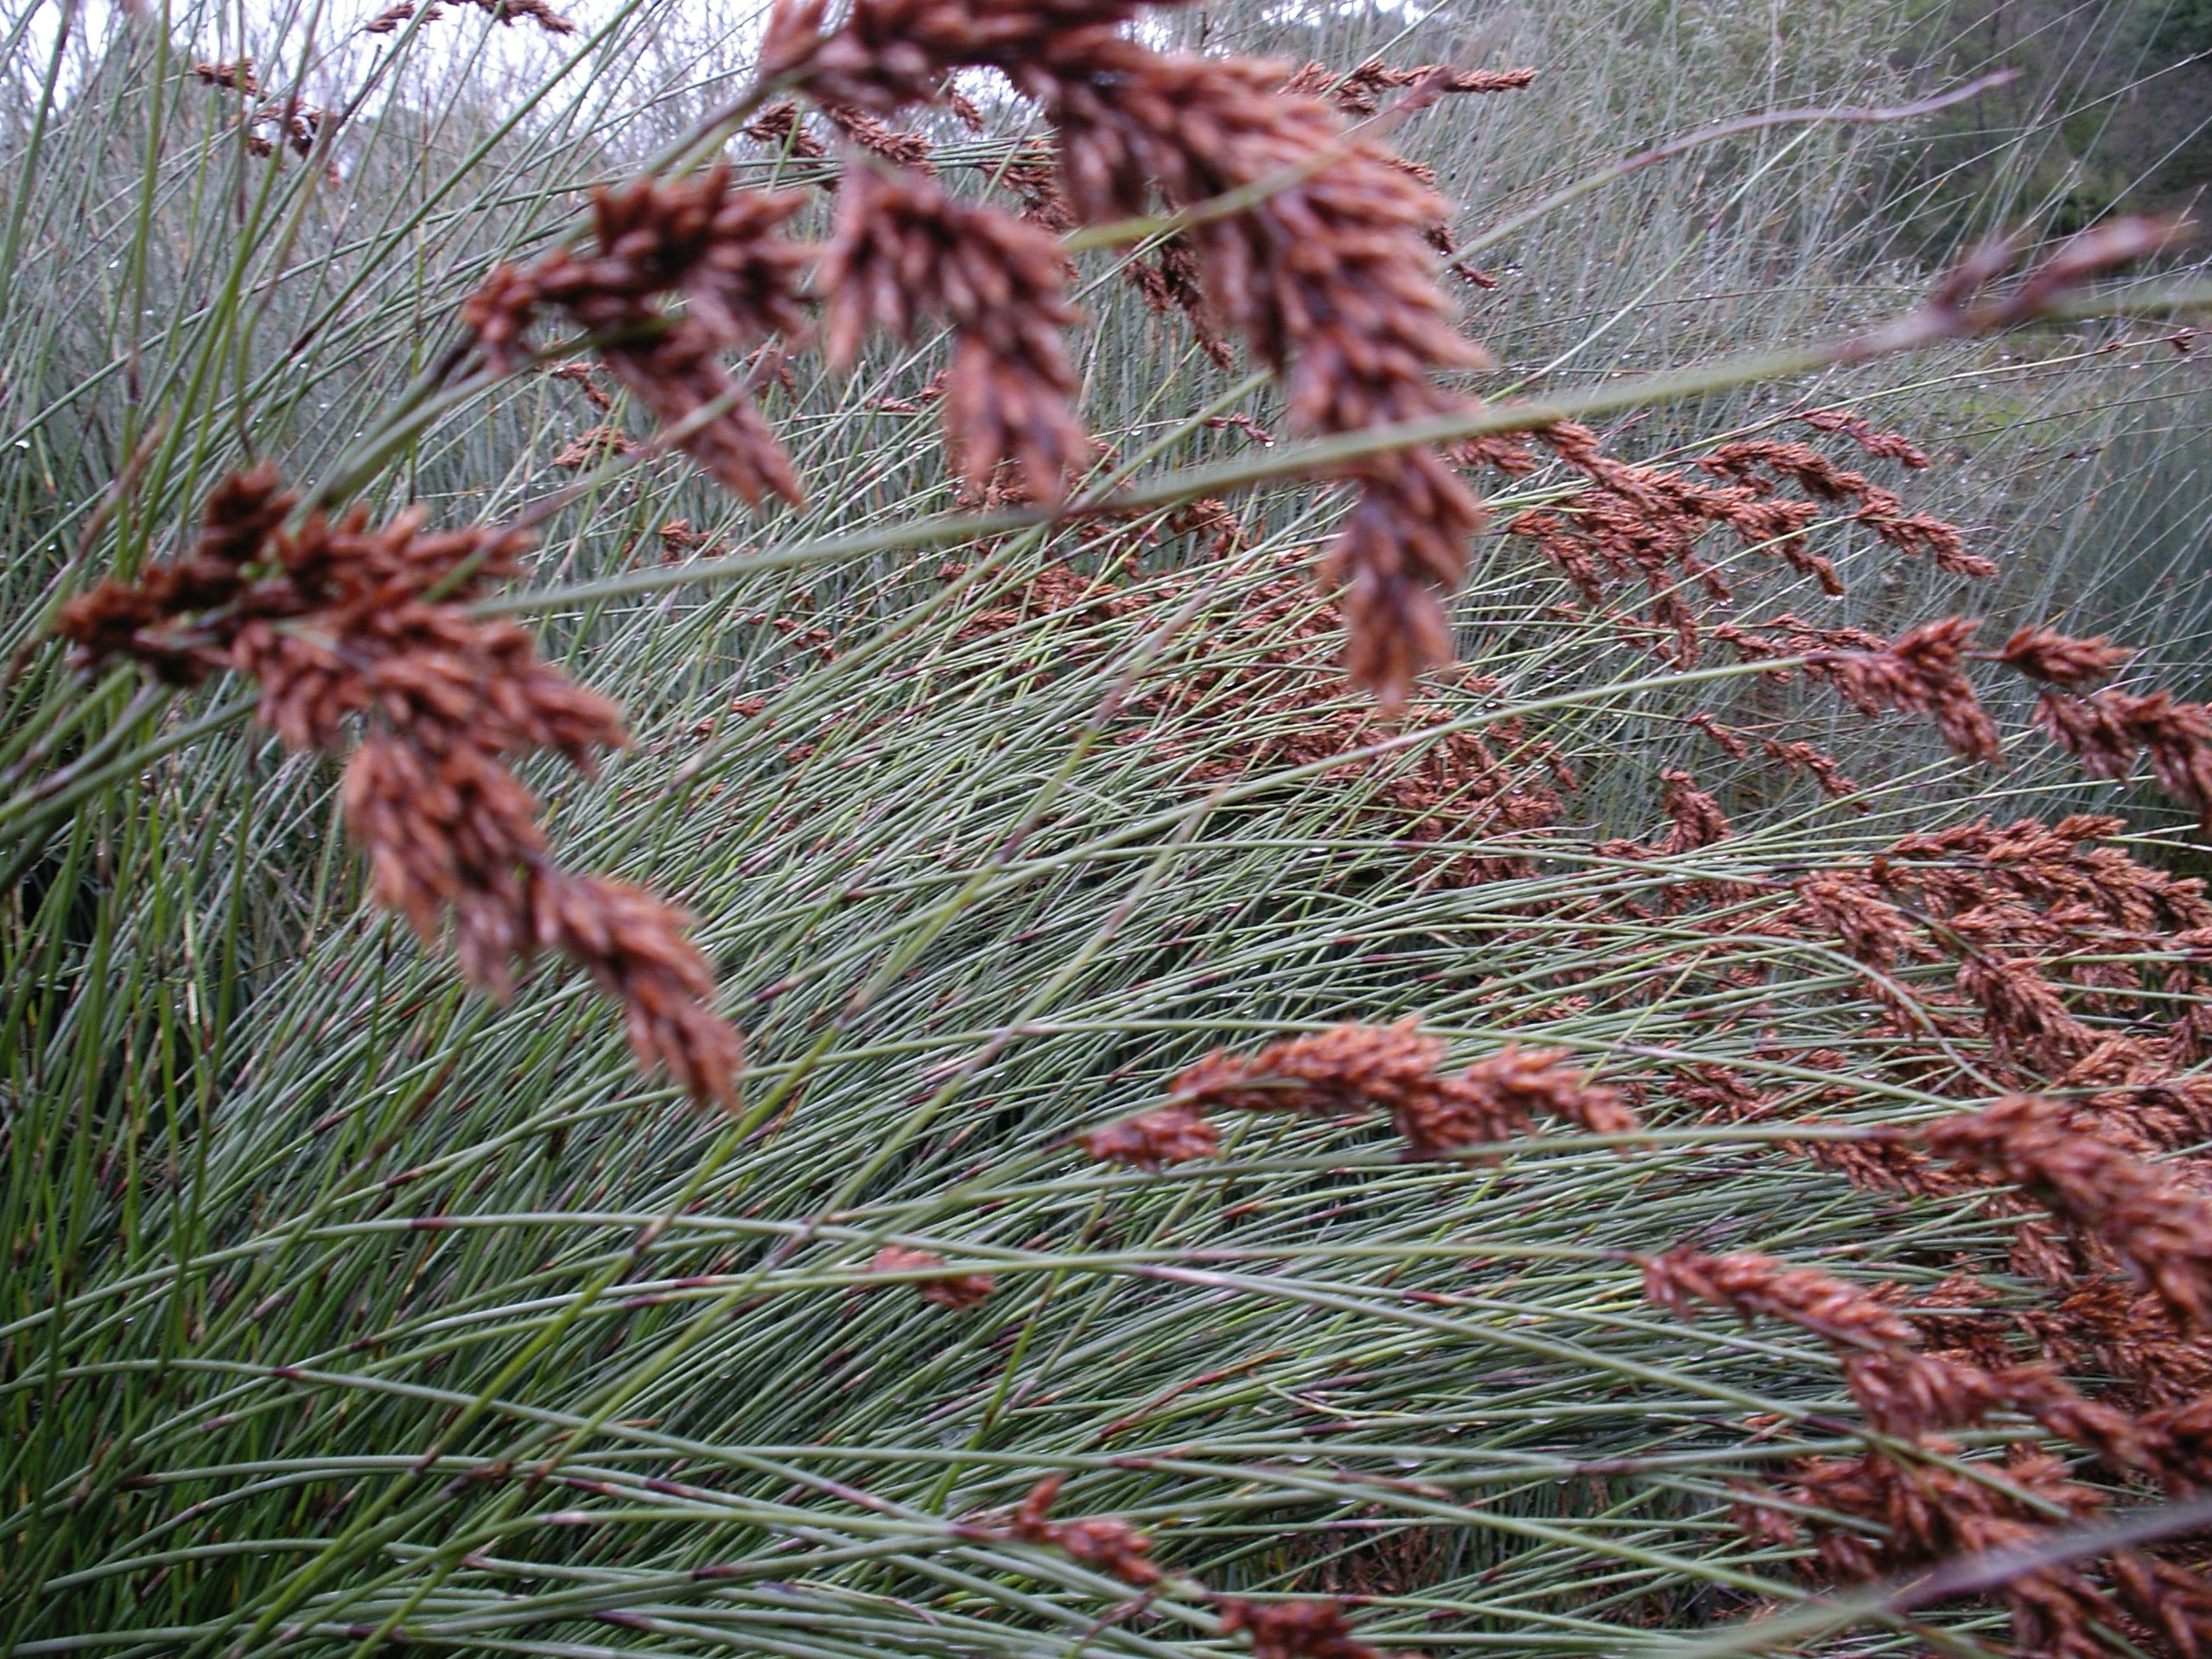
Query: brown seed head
<point x="537" y="12"/>
<point x="634" y="947"/>
<point x="1343" y="1069"/>
<point x="231" y="77"/>
<point x="1168" y="1134"/>
<point x="778" y="127"/>
<point x="1497" y="1097"/>
<point x="721" y="250"/>
<point x="954" y="1290"/>
<point x="1887" y="446"/>
<point x="1292" y="1629"/>
<point x="1754" y="1285"/>
<point x="1114" y="1548"/>
<point x="353" y="624"/>
<point x="2047" y="654"/>
<point x="1697" y="818"/>
<point x="905" y="251"/>
<point x="2105" y="729"/>
<point x="1918" y="673"/>
<point x="2159" y="1229"/>
<point x="241" y="515"/>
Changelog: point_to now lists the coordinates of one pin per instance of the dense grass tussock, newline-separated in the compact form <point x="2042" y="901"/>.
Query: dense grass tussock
<point x="1682" y="1091"/>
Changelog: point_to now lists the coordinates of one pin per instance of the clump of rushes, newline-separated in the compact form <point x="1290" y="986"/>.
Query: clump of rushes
<point x="1353" y="1070"/>
<point x="722" y="249"/>
<point x="1328" y="273"/>
<point x="349" y="627"/>
<point x="1311" y="240"/>
<point x="1923" y="1508"/>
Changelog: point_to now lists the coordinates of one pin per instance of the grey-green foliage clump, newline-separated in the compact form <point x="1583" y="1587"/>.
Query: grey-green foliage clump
<point x="341" y="1304"/>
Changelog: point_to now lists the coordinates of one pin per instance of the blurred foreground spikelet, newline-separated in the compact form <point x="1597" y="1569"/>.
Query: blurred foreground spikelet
<point x="346" y="625"/>
<point x="1293" y="1630"/>
<point x="904" y="250"/>
<point x="722" y="249"/>
<point x="953" y="1290"/>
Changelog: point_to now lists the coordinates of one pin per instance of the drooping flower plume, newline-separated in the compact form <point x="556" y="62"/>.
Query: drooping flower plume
<point x="349" y="627"/>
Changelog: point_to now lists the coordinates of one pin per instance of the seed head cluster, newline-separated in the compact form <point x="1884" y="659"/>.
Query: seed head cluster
<point x="723" y="251"/>
<point x="352" y="627"/>
<point x="903" y="252"/>
<point x="1923" y="1510"/>
<point x="1312" y="1629"/>
<point x="1356" y="1070"/>
<point x="1329" y="274"/>
<point x="2158" y="1228"/>
<point x="1114" y="1548"/>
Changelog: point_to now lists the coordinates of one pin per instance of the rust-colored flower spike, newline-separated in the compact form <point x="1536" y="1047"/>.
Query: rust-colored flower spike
<point x="778" y="127"/>
<point x="1499" y="1097"/>
<point x="1330" y="277"/>
<point x="1902" y="1391"/>
<point x="904" y="250"/>
<point x="1923" y="1514"/>
<point x="1919" y="534"/>
<point x="388" y="21"/>
<point x="2105" y="729"/>
<point x="1918" y="673"/>
<point x="1752" y="1285"/>
<point x="1358" y="91"/>
<point x="899" y="149"/>
<point x="723" y="251"/>
<point x="231" y="77"/>
<point x="634" y="947"/>
<point x="337" y="624"/>
<point x="1358" y="1068"/>
<point x="1114" y="1548"/>
<point x="2046" y="654"/>
<point x="1292" y="1629"/>
<point x="954" y="1290"/>
<point x="509" y="11"/>
<point x="1343" y="1069"/>
<point x="1330" y="280"/>
<point x="1886" y="446"/>
<point x="127" y="619"/>
<point x="1166" y="1135"/>
<point x="2160" y="1228"/>
<point x="1694" y="817"/>
<point x="890" y="53"/>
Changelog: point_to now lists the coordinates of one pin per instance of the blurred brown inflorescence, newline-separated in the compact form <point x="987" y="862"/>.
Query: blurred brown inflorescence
<point x="346" y="626"/>
<point x="720" y="248"/>
<point x="1326" y="269"/>
<point x="953" y="1290"/>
